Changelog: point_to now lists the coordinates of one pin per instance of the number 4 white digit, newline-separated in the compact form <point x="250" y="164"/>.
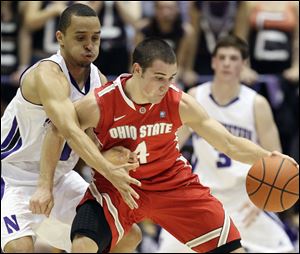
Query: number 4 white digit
<point x="141" y="151"/>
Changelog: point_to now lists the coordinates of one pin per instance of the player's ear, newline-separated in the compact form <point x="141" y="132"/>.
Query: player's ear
<point x="137" y="69"/>
<point x="59" y="38"/>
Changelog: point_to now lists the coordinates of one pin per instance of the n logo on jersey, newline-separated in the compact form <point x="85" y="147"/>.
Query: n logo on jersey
<point x="11" y="224"/>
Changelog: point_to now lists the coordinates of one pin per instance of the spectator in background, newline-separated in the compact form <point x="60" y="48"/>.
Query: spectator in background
<point x="15" y="48"/>
<point x="167" y="24"/>
<point x="41" y="18"/>
<point x="211" y="20"/>
<point x="115" y="17"/>
<point x="272" y="30"/>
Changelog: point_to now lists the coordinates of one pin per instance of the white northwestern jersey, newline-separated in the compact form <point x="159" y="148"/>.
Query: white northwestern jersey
<point x="217" y="170"/>
<point x="23" y="127"/>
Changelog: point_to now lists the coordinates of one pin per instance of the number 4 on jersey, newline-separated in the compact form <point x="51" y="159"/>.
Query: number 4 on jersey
<point x="141" y="151"/>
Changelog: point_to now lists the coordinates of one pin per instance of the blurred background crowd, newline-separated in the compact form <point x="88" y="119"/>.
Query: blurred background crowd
<point x="192" y="28"/>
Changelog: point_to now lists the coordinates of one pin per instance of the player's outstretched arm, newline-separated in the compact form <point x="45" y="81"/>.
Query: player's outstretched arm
<point x="241" y="149"/>
<point x="53" y="93"/>
<point x="89" y="115"/>
<point x="47" y="85"/>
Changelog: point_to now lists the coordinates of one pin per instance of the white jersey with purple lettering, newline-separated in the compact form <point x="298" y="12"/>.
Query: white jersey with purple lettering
<point x="217" y="170"/>
<point x="23" y="127"/>
<point x="226" y="177"/>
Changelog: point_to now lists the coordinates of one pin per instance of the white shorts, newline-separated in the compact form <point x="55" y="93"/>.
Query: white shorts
<point x="18" y="221"/>
<point x="265" y="235"/>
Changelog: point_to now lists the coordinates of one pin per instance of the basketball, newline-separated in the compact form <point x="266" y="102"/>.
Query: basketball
<point x="272" y="184"/>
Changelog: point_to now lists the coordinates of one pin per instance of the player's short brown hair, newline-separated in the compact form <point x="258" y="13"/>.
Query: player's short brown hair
<point x="74" y="10"/>
<point x="235" y="42"/>
<point x="152" y="49"/>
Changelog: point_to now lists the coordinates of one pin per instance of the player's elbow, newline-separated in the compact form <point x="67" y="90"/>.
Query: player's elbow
<point x="68" y="132"/>
<point x="55" y="131"/>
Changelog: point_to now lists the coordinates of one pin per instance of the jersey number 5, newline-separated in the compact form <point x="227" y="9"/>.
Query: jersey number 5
<point x="224" y="161"/>
<point x="141" y="151"/>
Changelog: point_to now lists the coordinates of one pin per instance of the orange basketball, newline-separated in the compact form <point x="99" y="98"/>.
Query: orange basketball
<point x="272" y="184"/>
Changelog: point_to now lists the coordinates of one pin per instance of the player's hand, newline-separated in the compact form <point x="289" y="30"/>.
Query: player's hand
<point x="292" y="74"/>
<point x="57" y="7"/>
<point x="249" y="214"/>
<point x="249" y="76"/>
<point x="41" y="201"/>
<point x="119" y="155"/>
<point x="276" y="153"/>
<point x="120" y="178"/>
<point x="124" y="160"/>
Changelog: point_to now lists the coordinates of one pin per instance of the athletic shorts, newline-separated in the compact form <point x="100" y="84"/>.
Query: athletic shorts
<point x="18" y="221"/>
<point x="189" y="213"/>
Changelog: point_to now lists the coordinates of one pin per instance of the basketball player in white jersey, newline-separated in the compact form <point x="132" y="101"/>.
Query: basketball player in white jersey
<point x="246" y="114"/>
<point x="46" y="92"/>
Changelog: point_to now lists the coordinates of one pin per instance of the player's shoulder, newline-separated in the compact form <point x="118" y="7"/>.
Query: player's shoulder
<point x="260" y="101"/>
<point x="199" y="88"/>
<point x="47" y="67"/>
<point x="106" y="89"/>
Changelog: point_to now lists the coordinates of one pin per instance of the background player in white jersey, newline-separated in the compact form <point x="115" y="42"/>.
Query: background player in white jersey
<point x="46" y="92"/>
<point x="246" y="114"/>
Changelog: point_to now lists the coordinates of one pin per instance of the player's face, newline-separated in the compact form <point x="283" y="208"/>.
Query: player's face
<point x="81" y="40"/>
<point x="156" y="79"/>
<point x="228" y="63"/>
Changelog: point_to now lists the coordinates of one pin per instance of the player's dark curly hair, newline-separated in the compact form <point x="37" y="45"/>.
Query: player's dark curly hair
<point x="76" y="10"/>
<point x="152" y="49"/>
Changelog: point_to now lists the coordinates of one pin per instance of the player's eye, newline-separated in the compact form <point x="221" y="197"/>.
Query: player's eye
<point x="159" y="78"/>
<point x="80" y="38"/>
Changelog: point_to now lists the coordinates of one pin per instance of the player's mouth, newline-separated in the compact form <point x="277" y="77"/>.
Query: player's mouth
<point x="226" y="72"/>
<point x="89" y="55"/>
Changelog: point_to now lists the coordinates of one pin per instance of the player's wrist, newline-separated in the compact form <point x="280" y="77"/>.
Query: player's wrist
<point x="45" y="186"/>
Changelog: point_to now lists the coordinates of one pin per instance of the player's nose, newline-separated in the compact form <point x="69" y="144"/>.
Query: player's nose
<point x="88" y="46"/>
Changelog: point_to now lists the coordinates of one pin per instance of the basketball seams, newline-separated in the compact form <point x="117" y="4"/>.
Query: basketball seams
<point x="290" y="192"/>
<point x="260" y="184"/>
<point x="260" y="180"/>
<point x="273" y="185"/>
<point x="268" y="184"/>
<point x="281" y="194"/>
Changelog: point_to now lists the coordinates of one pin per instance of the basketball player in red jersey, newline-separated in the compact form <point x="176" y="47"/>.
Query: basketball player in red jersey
<point x="143" y="112"/>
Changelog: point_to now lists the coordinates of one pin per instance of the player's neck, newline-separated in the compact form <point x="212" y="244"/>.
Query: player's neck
<point x="224" y="92"/>
<point x="79" y="74"/>
<point x="133" y="93"/>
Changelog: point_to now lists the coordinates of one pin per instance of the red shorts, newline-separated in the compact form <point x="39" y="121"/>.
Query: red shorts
<point x="189" y="213"/>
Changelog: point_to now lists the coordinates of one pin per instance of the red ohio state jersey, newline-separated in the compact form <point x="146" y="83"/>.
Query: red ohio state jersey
<point x="149" y="130"/>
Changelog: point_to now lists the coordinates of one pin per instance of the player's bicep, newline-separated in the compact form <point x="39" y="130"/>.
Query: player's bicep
<point x="53" y="92"/>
